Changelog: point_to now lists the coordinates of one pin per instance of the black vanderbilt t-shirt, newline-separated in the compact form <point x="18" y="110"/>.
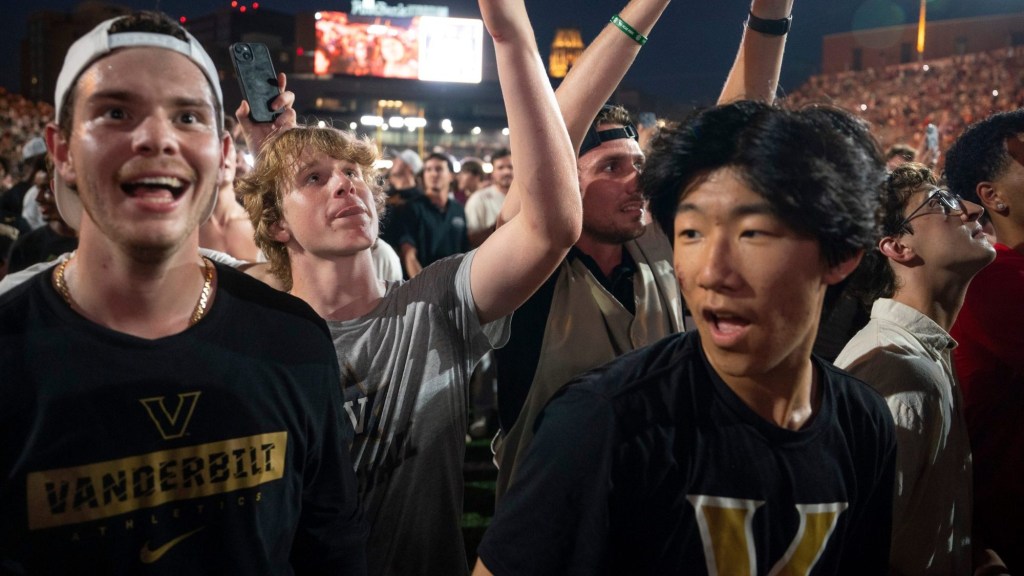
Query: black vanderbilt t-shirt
<point x="221" y="450"/>
<point x="652" y="465"/>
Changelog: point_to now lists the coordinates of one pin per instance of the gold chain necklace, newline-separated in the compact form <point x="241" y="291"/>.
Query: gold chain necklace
<point x="197" y="313"/>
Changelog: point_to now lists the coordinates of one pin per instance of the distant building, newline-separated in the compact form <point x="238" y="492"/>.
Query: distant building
<point x="565" y="50"/>
<point x="47" y="40"/>
<point x="880" y="47"/>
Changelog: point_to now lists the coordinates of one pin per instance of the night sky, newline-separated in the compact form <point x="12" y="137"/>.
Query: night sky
<point x="686" y="59"/>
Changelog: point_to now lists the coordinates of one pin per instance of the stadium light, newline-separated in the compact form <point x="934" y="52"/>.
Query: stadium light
<point x="476" y="130"/>
<point x="504" y="131"/>
<point x="371" y="121"/>
<point x="396" y="122"/>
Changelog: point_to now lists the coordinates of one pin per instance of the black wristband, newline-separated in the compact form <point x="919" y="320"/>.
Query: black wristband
<point x="778" y="27"/>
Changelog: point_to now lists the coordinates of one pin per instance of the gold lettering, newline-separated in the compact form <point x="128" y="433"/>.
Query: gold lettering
<point x="268" y="462"/>
<point x="729" y="547"/>
<point x="167" y="475"/>
<point x="103" y="530"/>
<point x="817" y="521"/>
<point x="85" y="494"/>
<point x="75" y="537"/>
<point x="171" y="426"/>
<point x="241" y="500"/>
<point x="218" y="467"/>
<point x="115" y="488"/>
<point x="143" y="483"/>
<point x="129" y="524"/>
<point x="192" y="472"/>
<point x="204" y="471"/>
<point x="239" y="462"/>
<point x="153" y="520"/>
<point x="58" y="500"/>
<point x="725" y="530"/>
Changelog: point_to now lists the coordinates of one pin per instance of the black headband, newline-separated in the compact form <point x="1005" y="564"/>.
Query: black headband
<point x="593" y="139"/>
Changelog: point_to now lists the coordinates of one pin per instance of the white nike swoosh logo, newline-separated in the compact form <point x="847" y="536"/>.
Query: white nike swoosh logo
<point x="148" y="556"/>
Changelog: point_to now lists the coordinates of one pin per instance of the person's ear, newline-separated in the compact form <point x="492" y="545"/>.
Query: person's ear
<point x="991" y="198"/>
<point x="892" y="248"/>
<point x="839" y="272"/>
<point x="60" y="152"/>
<point x="279" y="232"/>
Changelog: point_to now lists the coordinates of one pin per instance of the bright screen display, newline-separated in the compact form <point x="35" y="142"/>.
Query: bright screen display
<point x="417" y="48"/>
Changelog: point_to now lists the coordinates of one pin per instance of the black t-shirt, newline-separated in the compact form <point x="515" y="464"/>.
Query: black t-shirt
<point x="652" y="465"/>
<point x="40" y="245"/>
<point x="433" y="233"/>
<point x="222" y="449"/>
<point x="517" y="361"/>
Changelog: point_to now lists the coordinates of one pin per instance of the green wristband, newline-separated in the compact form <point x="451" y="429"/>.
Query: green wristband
<point x="628" y="30"/>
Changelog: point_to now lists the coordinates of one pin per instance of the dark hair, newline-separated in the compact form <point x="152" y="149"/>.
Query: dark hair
<point x="439" y="156"/>
<point x="140" y="21"/>
<point x="819" y="168"/>
<point x="472" y="166"/>
<point x="979" y="154"/>
<point x="901" y="150"/>
<point x="500" y="153"/>
<point x="874" y="277"/>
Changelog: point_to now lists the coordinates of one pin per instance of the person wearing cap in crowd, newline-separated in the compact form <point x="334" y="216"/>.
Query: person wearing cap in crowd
<point x="407" y="349"/>
<point x="616" y="290"/>
<point x="33" y="162"/>
<point x="986" y="166"/>
<point x="484" y="206"/>
<point x="30" y="207"/>
<point x="402" y="187"/>
<point x="47" y="242"/>
<point x="914" y="280"/>
<point x="159" y="440"/>
<point x="402" y="177"/>
<point x="432" y="225"/>
<point x="471" y="177"/>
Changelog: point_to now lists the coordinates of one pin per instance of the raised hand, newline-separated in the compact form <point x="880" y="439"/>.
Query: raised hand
<point x="256" y="133"/>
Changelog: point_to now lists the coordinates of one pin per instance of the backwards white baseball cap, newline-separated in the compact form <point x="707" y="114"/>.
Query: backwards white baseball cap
<point x="93" y="46"/>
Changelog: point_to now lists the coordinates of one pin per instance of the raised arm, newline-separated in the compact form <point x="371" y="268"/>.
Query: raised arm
<point x="594" y="77"/>
<point x="511" y="264"/>
<point x="256" y="133"/>
<point x="598" y="71"/>
<point x="755" y="74"/>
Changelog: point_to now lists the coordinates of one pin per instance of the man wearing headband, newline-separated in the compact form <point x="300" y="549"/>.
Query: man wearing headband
<point x="914" y="281"/>
<point x="986" y="166"/>
<point x="140" y="432"/>
<point x="615" y="291"/>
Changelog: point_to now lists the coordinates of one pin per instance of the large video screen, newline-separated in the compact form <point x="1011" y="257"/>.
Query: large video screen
<point x="418" y="48"/>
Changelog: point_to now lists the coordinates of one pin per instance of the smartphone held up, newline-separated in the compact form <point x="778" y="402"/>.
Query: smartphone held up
<point x="256" y="77"/>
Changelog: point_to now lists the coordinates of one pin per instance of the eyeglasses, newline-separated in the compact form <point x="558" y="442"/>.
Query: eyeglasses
<point x="951" y="204"/>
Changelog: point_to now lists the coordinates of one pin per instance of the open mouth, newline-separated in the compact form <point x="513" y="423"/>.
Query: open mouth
<point x="160" y="189"/>
<point x="725" y="324"/>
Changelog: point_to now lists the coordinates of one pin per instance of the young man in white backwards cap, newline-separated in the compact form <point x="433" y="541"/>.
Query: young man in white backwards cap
<point x="156" y="439"/>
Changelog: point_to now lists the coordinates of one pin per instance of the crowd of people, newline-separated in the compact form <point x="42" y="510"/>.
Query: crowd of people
<point x="901" y="100"/>
<point x="274" y="370"/>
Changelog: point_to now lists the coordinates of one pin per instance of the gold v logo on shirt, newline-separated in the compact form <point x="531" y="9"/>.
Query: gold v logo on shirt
<point x="171" y="425"/>
<point x="149" y="555"/>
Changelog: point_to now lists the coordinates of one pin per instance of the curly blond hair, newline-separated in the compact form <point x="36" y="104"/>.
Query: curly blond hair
<point x="262" y="189"/>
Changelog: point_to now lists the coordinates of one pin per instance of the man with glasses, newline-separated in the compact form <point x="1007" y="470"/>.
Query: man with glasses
<point x="932" y="245"/>
<point x="986" y="165"/>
